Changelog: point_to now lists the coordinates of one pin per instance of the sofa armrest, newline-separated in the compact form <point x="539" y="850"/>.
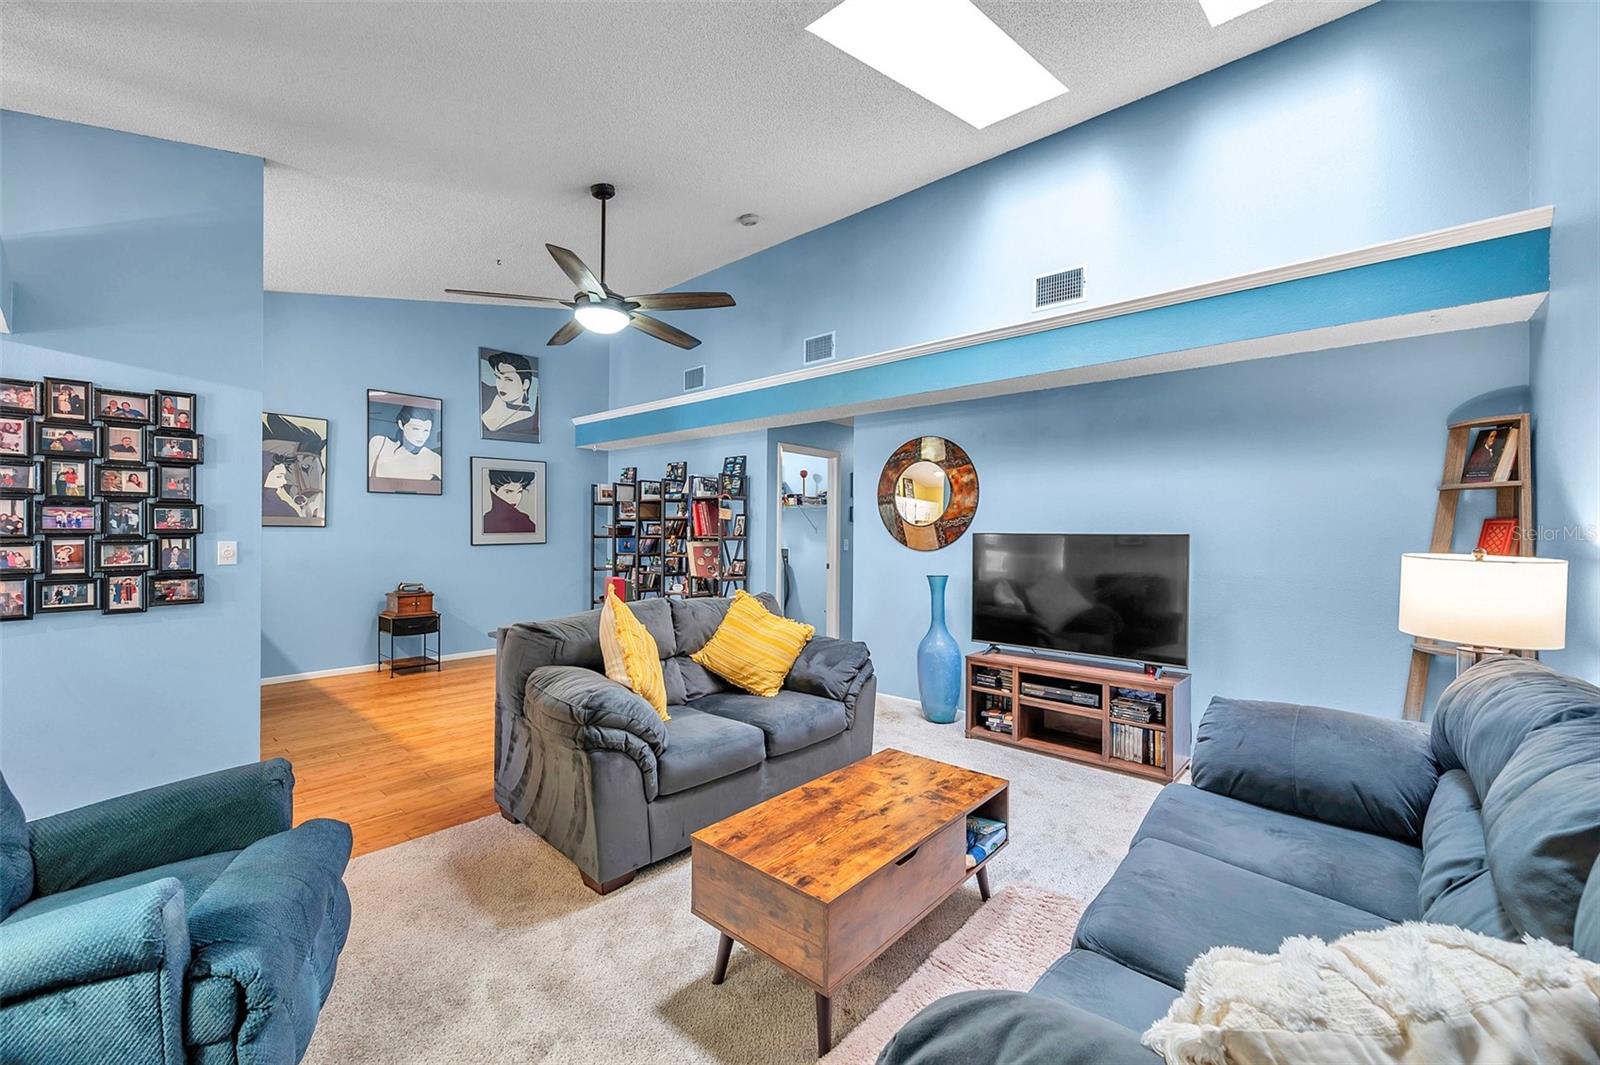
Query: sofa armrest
<point x="833" y="669"/>
<point x="1368" y="773"/>
<point x="588" y="711"/>
<point x="254" y="930"/>
<point x="1014" y="1028"/>
<point x="222" y="811"/>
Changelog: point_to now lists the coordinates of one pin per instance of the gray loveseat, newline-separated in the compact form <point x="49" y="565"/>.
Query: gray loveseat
<point x="588" y="765"/>
<point x="1304" y="821"/>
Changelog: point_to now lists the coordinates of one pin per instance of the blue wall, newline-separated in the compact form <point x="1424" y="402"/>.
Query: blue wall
<point x="322" y="587"/>
<point x="1401" y="118"/>
<point x="1566" y="334"/>
<point x="805" y="537"/>
<point x="137" y="264"/>
<point x="1300" y="481"/>
<point x="830" y="436"/>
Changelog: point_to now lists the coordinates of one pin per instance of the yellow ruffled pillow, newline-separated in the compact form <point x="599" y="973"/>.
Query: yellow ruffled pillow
<point x="632" y="657"/>
<point x="753" y="647"/>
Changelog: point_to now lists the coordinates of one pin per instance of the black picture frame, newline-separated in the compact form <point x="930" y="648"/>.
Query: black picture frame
<point x="10" y="549"/>
<point x="170" y="417"/>
<point x="197" y="442"/>
<point x="114" y="515"/>
<point x="16" y="437"/>
<point x="16" y="517"/>
<point x="11" y="388"/>
<point x="129" y="545"/>
<point x="157" y="583"/>
<point x="20" y="478"/>
<point x="82" y="471"/>
<point x="115" y="417"/>
<point x="152" y="518"/>
<point x="66" y="568"/>
<point x="43" y="589"/>
<point x="124" y="445"/>
<point x="183" y="477"/>
<point x="123" y="474"/>
<point x="384" y="445"/>
<point x="45" y="434"/>
<point x="114" y="589"/>
<point x="164" y="545"/>
<point x="48" y="512"/>
<point x="21" y="607"/>
<point x="82" y="391"/>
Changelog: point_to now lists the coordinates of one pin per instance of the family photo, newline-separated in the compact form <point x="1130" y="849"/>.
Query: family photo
<point x="123" y="519"/>
<point x="16" y="600"/>
<point x="175" y="554"/>
<point x="15" y="517"/>
<point x="405" y="445"/>
<point x="173" y="590"/>
<point x="19" y="397"/>
<point x="19" y="558"/>
<point x="14" y="436"/>
<point x="508" y="499"/>
<point x="124" y="445"/>
<point x="175" y="483"/>
<point x="61" y="596"/>
<point x="19" y="478"/>
<point x="294" y="474"/>
<point x="116" y="555"/>
<point x="508" y="396"/>
<point x="112" y="481"/>
<point x="172" y="448"/>
<point x="67" y="517"/>
<point x="125" y="594"/>
<point x="67" y="401"/>
<point x="130" y="407"/>
<point x="67" y="556"/>
<point x="175" y="410"/>
<point x="67" y="478"/>
<point x="58" y="439"/>
<point x="180" y="517"/>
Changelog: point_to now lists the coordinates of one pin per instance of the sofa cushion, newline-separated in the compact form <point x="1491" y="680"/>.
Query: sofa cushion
<point x="1542" y="824"/>
<point x="1370" y="872"/>
<point x="196" y="874"/>
<point x="1095" y="983"/>
<point x="1166" y="905"/>
<point x="631" y="656"/>
<point x="672" y="677"/>
<point x="828" y="667"/>
<point x="704" y="747"/>
<point x="789" y="720"/>
<point x="698" y="681"/>
<point x="754" y="648"/>
<point x="1456" y="887"/>
<point x="1586" y="931"/>
<point x="694" y="620"/>
<point x="16" y="853"/>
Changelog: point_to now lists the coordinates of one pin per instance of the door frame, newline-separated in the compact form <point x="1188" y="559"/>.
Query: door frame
<point x="831" y="519"/>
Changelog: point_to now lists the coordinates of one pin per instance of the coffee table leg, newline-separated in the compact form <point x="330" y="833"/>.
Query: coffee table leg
<point x="824" y="1024"/>
<point x="983" y="883"/>
<point x="724" y="948"/>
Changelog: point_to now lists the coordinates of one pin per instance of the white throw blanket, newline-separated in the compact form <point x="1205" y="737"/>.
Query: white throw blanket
<point x="1413" y="993"/>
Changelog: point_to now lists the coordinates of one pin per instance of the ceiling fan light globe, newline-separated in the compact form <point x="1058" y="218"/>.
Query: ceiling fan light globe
<point x="601" y="318"/>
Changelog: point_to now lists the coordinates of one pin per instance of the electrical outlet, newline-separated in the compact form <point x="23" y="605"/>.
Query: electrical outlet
<point x="227" y="553"/>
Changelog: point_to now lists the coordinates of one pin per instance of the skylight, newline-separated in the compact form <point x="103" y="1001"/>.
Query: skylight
<point x="944" y="50"/>
<point x="1220" y="11"/>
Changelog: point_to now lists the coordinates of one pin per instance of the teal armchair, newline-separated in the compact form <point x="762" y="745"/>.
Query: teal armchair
<point x="187" y="922"/>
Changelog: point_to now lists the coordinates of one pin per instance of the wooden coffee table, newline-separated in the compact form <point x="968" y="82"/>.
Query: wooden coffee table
<point x="825" y="877"/>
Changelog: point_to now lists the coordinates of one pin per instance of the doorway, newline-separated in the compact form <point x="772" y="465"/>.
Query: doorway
<point x="808" y="530"/>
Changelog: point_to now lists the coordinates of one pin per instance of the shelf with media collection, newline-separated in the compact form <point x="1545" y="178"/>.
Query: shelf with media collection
<point x="1120" y="719"/>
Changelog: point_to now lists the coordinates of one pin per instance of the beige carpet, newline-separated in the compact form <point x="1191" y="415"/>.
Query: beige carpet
<point x="479" y="944"/>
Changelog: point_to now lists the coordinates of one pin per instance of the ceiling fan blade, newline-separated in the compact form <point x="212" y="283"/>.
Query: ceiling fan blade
<point x="549" y="301"/>
<point x="564" y="334"/>
<point x="681" y="301"/>
<point x="573" y="267"/>
<point x="662" y="331"/>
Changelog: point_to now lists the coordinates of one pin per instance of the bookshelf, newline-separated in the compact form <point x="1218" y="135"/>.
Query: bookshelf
<point x="1082" y="731"/>
<point x="651" y="548"/>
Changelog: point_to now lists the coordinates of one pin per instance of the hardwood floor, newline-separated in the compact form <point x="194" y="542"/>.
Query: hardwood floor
<point x="396" y="757"/>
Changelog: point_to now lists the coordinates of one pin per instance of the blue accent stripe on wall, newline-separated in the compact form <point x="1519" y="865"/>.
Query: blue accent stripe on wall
<point x="1500" y="268"/>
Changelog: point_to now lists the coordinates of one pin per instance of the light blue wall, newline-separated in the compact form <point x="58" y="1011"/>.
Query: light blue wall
<point x="323" y="587"/>
<point x="1300" y="481"/>
<point x="1566" y="334"/>
<point x="805" y="537"/>
<point x="137" y="264"/>
<point x="1401" y="118"/>
<point x="829" y="436"/>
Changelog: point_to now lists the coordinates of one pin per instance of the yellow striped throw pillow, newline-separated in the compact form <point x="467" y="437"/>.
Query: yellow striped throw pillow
<point x="753" y="647"/>
<point x="632" y="658"/>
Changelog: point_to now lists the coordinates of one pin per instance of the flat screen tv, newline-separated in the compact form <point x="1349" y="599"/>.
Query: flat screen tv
<point x="1115" y="596"/>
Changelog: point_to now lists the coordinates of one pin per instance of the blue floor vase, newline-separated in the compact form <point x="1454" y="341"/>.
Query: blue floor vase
<point x="938" y="661"/>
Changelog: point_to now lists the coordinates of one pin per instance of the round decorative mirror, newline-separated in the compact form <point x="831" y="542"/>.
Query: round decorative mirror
<point x="927" y="493"/>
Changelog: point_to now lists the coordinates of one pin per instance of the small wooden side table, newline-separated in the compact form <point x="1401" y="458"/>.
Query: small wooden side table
<point x="400" y="626"/>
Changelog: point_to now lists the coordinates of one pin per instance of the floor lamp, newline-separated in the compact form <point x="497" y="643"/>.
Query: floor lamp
<point x="1484" y="604"/>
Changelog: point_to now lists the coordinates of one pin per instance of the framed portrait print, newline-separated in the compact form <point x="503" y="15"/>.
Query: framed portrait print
<point x="174" y="517"/>
<point x="123" y="443"/>
<point x="20" y="397"/>
<point x="134" y="555"/>
<point x="405" y="443"/>
<point x="508" y="499"/>
<point x="176" y="449"/>
<point x="122" y="408"/>
<point x="80" y="440"/>
<point x="16" y="517"/>
<point x="126" y="593"/>
<point x="176" y="410"/>
<point x="294" y="470"/>
<point x="16" y="437"/>
<point x="66" y="479"/>
<point x="68" y="401"/>
<point x="69" y="517"/>
<point x="19" y="479"/>
<point x="175" y="554"/>
<point x="123" y="482"/>
<point x="171" y="591"/>
<point x="66" y="556"/>
<point x="175" y="483"/>
<point x="19" y="557"/>
<point x="508" y="396"/>
<point x="16" y="599"/>
<point x="58" y="597"/>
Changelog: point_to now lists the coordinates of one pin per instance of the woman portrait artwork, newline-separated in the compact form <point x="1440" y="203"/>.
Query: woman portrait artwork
<point x="405" y="446"/>
<point x="294" y="477"/>
<point x="508" y="392"/>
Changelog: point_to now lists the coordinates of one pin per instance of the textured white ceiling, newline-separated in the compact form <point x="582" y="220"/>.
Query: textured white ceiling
<point x="411" y="145"/>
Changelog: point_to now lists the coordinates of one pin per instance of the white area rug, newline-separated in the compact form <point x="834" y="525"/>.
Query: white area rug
<point x="480" y="945"/>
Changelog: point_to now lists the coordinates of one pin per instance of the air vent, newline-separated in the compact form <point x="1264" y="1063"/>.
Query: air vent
<point x="819" y="348"/>
<point x="694" y="379"/>
<point x="1052" y="290"/>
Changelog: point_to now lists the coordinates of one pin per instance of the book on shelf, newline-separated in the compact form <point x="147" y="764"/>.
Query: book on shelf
<point x="1130" y="743"/>
<point x="984" y="837"/>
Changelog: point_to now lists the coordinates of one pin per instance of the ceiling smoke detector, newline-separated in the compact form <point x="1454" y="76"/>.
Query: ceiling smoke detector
<point x="748" y="220"/>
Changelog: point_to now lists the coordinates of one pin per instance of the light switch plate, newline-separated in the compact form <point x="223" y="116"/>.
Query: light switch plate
<point x="227" y="553"/>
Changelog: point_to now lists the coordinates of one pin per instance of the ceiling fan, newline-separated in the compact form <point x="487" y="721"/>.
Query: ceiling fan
<point x="599" y="309"/>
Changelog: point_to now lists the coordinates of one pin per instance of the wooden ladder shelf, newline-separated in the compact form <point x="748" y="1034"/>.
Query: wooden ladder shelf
<point x="1513" y="498"/>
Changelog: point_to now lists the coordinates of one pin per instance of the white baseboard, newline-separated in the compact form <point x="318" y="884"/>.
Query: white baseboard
<point x="368" y="667"/>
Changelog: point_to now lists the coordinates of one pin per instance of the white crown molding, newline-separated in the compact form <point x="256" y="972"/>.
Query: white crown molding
<point x="367" y="668"/>
<point x="1437" y="240"/>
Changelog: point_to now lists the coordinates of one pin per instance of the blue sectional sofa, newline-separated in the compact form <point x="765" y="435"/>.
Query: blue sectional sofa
<point x="1306" y="821"/>
<point x="185" y="922"/>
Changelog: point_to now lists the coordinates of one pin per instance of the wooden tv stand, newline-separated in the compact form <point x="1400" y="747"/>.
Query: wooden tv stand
<point x="1082" y="733"/>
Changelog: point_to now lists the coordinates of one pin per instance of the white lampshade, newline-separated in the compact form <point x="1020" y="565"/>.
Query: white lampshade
<point x="1507" y="601"/>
